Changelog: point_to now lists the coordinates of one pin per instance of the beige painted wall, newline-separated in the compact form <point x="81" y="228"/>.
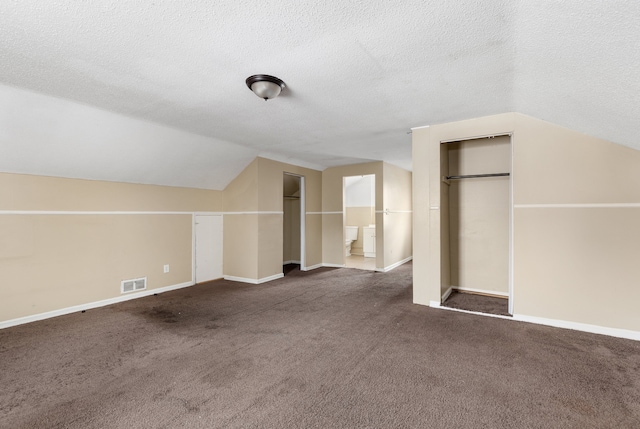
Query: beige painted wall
<point x="258" y="190"/>
<point x="27" y="192"/>
<point x="76" y="256"/>
<point x="570" y="263"/>
<point x="240" y="224"/>
<point x="397" y="220"/>
<point x="241" y="195"/>
<point x="393" y="230"/>
<point x="478" y="215"/>
<point x="333" y="218"/>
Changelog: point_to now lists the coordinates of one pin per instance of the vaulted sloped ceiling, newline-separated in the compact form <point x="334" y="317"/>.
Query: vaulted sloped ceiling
<point x="360" y="74"/>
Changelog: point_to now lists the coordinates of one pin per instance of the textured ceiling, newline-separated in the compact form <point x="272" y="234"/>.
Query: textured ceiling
<point x="359" y="73"/>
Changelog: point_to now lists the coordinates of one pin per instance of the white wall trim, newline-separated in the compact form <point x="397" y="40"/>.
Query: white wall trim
<point x="576" y="326"/>
<point x="481" y="291"/>
<point x="208" y="213"/>
<point x="254" y="281"/>
<point x="270" y="278"/>
<point x="313" y="213"/>
<point x="563" y="324"/>
<point x="312" y="267"/>
<point x="86" y="212"/>
<point x="387" y="211"/>
<point x="333" y="265"/>
<point x="446" y="294"/>
<point x="392" y="266"/>
<point x="254" y="213"/>
<point x="90" y="305"/>
<point x="577" y="206"/>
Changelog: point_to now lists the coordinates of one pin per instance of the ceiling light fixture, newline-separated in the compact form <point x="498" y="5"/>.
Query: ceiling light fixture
<point x="265" y="86"/>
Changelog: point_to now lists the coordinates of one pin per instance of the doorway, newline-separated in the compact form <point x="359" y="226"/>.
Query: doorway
<point x="293" y="223"/>
<point x="476" y="224"/>
<point x="359" y="201"/>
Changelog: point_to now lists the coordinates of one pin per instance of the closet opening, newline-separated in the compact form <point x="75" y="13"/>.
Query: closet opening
<point x="359" y="232"/>
<point x="476" y="219"/>
<point x="293" y="223"/>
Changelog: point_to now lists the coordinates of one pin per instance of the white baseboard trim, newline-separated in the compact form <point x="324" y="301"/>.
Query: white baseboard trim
<point x="563" y="324"/>
<point x="396" y="265"/>
<point x="313" y="267"/>
<point x="310" y="267"/>
<point x="446" y="294"/>
<point x="254" y="281"/>
<point x="480" y="291"/>
<point x="369" y="255"/>
<point x="270" y="278"/>
<point x="576" y="326"/>
<point x="290" y="262"/>
<point x="90" y="305"/>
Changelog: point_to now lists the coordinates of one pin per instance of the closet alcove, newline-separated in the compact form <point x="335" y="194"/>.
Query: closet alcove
<point x="291" y="228"/>
<point x="476" y="222"/>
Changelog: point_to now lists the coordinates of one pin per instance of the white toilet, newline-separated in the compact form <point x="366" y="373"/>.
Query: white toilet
<point x="350" y="237"/>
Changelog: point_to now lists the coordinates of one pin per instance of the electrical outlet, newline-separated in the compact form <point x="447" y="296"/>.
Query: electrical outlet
<point x="166" y="268"/>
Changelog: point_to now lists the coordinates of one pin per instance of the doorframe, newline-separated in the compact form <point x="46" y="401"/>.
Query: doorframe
<point x="303" y="218"/>
<point x="511" y="212"/>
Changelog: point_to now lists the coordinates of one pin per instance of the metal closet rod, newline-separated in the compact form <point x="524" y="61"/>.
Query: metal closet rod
<point x="473" y="176"/>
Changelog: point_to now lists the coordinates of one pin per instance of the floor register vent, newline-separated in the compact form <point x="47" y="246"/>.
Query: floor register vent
<point x="133" y="285"/>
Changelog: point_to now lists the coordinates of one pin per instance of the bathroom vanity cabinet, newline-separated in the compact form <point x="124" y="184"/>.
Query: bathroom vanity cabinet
<point x="369" y="241"/>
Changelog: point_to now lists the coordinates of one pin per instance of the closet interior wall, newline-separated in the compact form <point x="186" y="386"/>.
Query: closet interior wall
<point x="291" y="252"/>
<point x="476" y="216"/>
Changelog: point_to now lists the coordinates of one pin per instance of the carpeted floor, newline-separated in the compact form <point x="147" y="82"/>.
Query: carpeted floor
<point x="329" y="348"/>
<point x="479" y="303"/>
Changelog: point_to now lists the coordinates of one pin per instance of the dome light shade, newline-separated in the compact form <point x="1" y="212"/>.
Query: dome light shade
<point x="265" y="86"/>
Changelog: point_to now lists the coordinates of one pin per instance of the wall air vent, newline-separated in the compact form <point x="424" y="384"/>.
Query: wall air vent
<point x="133" y="285"/>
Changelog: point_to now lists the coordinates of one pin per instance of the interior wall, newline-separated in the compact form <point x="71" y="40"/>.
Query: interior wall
<point x="240" y="225"/>
<point x="68" y="242"/>
<point x="398" y="215"/>
<point x="576" y="204"/>
<point x="270" y="199"/>
<point x="254" y="212"/>
<point x="478" y="217"/>
<point x="333" y="212"/>
<point x="393" y="218"/>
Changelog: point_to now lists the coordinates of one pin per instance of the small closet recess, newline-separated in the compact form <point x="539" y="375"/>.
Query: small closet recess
<point x="475" y="221"/>
<point x="291" y="205"/>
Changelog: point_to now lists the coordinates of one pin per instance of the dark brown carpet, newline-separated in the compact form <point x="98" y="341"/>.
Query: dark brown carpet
<point x="480" y="303"/>
<point x="331" y="348"/>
